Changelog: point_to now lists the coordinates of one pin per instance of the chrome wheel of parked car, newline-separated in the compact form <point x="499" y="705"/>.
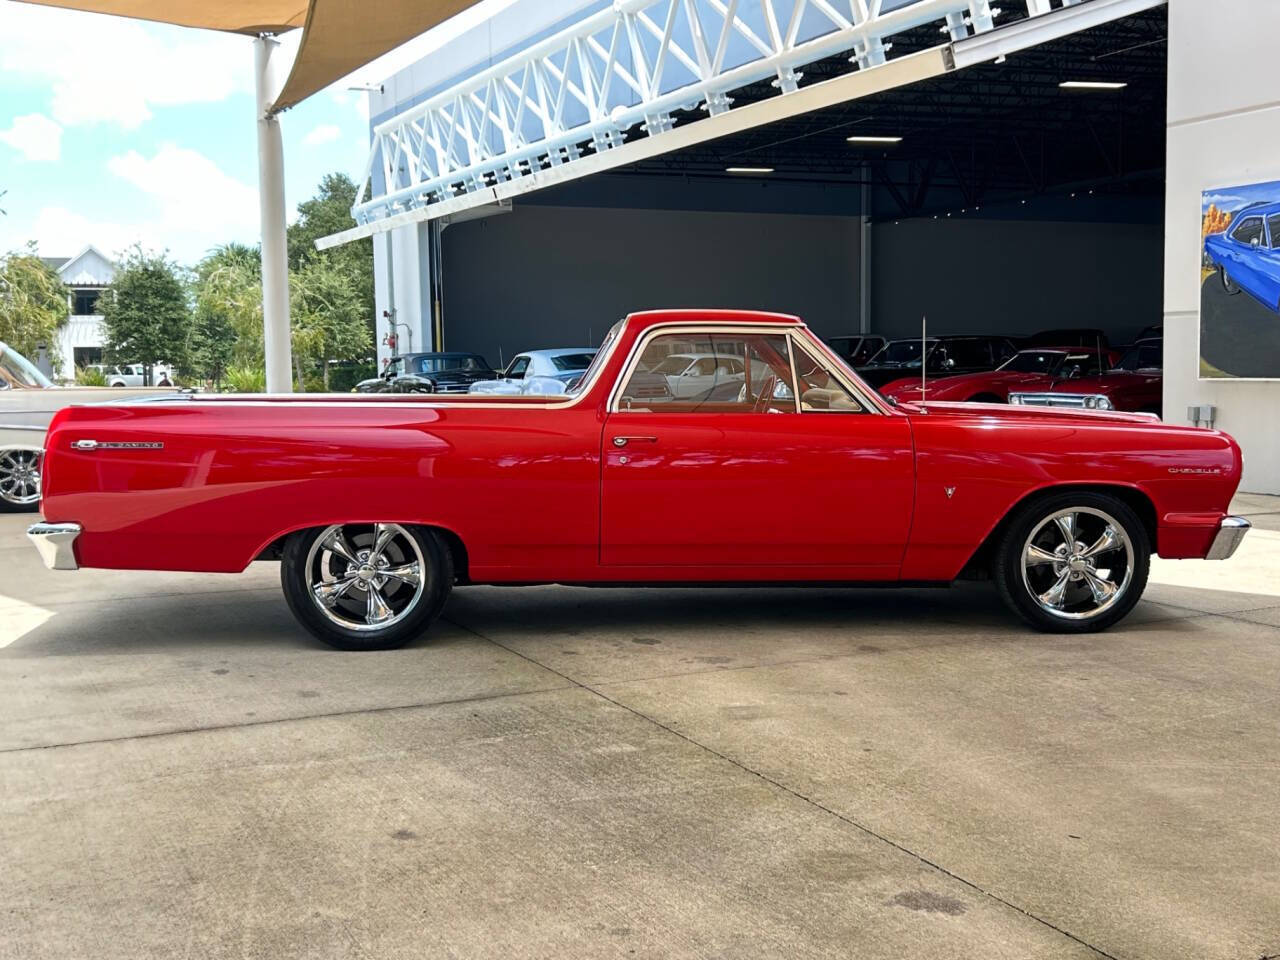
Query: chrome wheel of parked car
<point x="1077" y="563"/>
<point x="1073" y="562"/>
<point x="365" y="586"/>
<point x="19" y="479"/>
<point x="365" y="578"/>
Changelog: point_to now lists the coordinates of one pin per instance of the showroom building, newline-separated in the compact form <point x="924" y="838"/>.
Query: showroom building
<point x="1050" y="165"/>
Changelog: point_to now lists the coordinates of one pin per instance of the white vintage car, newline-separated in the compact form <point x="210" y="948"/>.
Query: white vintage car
<point x="28" y="401"/>
<point x="542" y="372"/>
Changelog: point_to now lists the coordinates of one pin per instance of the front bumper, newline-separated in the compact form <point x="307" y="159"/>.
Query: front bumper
<point x="56" y="543"/>
<point x="1231" y="531"/>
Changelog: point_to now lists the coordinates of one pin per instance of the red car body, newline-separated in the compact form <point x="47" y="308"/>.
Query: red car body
<point x="994" y="386"/>
<point x="535" y="490"/>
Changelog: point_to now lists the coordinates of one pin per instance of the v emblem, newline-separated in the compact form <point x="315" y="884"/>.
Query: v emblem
<point x="949" y="491"/>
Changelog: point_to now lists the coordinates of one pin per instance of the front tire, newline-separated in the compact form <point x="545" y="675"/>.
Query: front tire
<point x="1073" y="562"/>
<point x="19" y="480"/>
<point x="366" y="586"/>
<point x="1228" y="284"/>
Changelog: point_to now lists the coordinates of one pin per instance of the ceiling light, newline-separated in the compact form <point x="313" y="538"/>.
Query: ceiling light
<point x="748" y="169"/>
<point x="873" y="139"/>
<point x="1091" y="85"/>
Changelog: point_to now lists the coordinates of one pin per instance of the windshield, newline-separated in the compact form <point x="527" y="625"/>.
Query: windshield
<point x="1034" y="361"/>
<point x="572" y="361"/>
<point x="472" y="362"/>
<point x="598" y="359"/>
<point x="1142" y="356"/>
<point x="17" y="371"/>
<point x="902" y="353"/>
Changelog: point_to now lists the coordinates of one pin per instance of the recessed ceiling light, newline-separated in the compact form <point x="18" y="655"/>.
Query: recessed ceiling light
<point x="873" y="139"/>
<point x="1091" y="85"/>
<point x="748" y="169"/>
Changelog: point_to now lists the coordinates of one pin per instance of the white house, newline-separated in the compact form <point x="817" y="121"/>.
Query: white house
<point x="80" y="339"/>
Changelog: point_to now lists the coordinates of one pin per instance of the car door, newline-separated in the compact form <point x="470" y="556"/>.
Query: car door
<point x="813" y="480"/>
<point x="1246" y="253"/>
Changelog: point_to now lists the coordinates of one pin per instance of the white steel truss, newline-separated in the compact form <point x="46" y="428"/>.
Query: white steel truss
<point x="573" y="97"/>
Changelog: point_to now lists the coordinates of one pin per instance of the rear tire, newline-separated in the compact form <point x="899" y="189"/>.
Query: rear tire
<point x="1080" y="583"/>
<point x="366" y="586"/>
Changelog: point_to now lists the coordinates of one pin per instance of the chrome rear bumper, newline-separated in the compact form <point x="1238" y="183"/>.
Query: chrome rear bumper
<point x="1231" y="531"/>
<point x="56" y="543"/>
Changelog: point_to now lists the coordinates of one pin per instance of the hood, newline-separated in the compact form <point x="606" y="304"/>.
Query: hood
<point x="1107" y="382"/>
<point x="961" y="381"/>
<point x="1018" y="414"/>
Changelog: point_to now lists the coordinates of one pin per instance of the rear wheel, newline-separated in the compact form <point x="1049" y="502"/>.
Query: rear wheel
<point x="1073" y="562"/>
<point x="19" y="480"/>
<point x="366" y="586"/>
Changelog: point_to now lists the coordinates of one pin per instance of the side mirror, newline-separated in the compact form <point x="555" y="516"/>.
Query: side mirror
<point x="1255" y="242"/>
<point x="948" y="364"/>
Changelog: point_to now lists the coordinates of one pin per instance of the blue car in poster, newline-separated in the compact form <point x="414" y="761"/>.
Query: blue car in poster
<point x="1247" y="254"/>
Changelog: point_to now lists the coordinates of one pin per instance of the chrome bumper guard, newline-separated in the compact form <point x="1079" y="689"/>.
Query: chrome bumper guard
<point x="1080" y="401"/>
<point x="56" y="543"/>
<point x="1231" y="531"/>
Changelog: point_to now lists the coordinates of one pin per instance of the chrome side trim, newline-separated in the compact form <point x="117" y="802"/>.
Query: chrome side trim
<point x="56" y="544"/>
<point x="1231" y="531"/>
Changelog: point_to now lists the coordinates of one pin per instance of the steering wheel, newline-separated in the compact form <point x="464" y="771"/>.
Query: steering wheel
<point x="765" y="396"/>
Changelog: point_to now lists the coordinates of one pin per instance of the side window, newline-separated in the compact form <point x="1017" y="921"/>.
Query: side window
<point x="1273" y="225"/>
<point x="517" y="367"/>
<point x="820" y="391"/>
<point x="1249" y="231"/>
<point x="727" y="373"/>
<point x="970" y="353"/>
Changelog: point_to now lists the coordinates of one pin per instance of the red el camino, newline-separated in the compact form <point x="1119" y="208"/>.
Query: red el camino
<point x="377" y="505"/>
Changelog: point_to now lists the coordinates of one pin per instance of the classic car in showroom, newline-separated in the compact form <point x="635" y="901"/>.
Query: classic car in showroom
<point x="1247" y="255"/>
<point x="377" y="506"/>
<point x="539" y="371"/>
<point x="28" y="401"/>
<point x="1135" y="383"/>
<point x="943" y="356"/>
<point x="1027" y="370"/>
<point x="429" y="373"/>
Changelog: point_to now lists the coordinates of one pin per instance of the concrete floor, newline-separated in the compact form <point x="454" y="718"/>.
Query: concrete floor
<point x="616" y="773"/>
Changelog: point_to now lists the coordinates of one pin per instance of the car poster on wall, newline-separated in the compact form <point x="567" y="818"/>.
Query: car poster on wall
<point x="1240" y="282"/>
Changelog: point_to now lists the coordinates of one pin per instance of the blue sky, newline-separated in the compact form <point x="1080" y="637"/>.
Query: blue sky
<point x="113" y="131"/>
<point x="1231" y="199"/>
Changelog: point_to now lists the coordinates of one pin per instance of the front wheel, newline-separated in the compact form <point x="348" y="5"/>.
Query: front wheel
<point x="1228" y="284"/>
<point x="1073" y="562"/>
<point x="366" y="586"/>
<point x="19" y="480"/>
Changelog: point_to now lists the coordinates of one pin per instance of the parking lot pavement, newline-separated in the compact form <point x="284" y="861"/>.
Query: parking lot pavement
<point x="565" y="772"/>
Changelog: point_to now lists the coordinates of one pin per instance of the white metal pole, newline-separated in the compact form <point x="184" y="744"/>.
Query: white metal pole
<point x="275" y="264"/>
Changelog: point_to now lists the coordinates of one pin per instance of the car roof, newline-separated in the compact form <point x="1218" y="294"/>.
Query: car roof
<point x="556" y="351"/>
<point x="1261" y="208"/>
<point x="650" y="318"/>
<point x="439" y="353"/>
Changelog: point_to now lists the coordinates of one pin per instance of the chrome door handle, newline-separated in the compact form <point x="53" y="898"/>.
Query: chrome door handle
<point x="623" y="441"/>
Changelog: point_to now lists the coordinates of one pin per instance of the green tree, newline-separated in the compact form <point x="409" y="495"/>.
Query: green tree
<point x="33" y="303"/>
<point x="146" y="313"/>
<point x="329" y="322"/>
<point x="228" y="284"/>
<point x="329" y="211"/>
<point x="213" y="342"/>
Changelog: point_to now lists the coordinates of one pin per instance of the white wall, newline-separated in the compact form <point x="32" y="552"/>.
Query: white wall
<point x="1224" y="129"/>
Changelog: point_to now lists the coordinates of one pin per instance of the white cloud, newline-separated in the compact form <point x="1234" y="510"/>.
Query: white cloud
<point x="110" y="70"/>
<point x="190" y="189"/>
<point x="324" y="133"/>
<point x="184" y="203"/>
<point x="36" y="137"/>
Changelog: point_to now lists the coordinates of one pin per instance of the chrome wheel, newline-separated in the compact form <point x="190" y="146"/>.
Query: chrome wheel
<point x="365" y="577"/>
<point x="1077" y="563"/>
<point x="20" y="477"/>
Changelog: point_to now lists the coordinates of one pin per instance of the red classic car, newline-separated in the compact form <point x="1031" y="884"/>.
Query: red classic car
<point x="1135" y="383"/>
<point x="377" y="505"/>
<point x="1027" y="370"/>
